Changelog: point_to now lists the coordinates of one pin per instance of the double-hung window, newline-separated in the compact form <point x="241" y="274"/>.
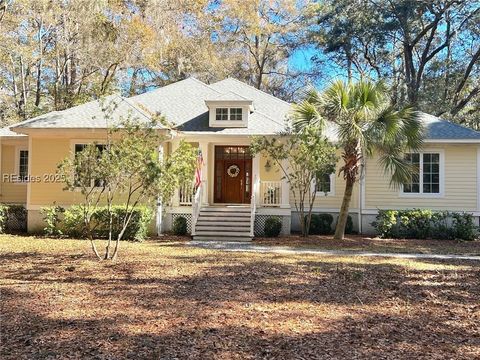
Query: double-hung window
<point x="325" y="185"/>
<point x="79" y="148"/>
<point x="225" y="114"/>
<point x="427" y="174"/>
<point x="23" y="166"/>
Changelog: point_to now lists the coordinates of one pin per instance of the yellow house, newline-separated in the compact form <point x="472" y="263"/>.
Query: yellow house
<point x="238" y="191"/>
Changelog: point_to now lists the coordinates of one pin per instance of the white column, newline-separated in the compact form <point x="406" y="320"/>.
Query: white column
<point x="203" y="146"/>
<point x="176" y="195"/>
<point x="256" y="177"/>
<point x="285" y="191"/>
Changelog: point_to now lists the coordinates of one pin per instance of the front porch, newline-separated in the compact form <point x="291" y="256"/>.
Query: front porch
<point x="232" y="178"/>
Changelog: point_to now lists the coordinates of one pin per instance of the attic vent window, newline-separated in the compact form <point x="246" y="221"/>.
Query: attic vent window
<point x="236" y="114"/>
<point x="221" y="114"/>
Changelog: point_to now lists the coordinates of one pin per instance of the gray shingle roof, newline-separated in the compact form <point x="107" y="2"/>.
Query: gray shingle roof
<point x="262" y="102"/>
<point x="183" y="104"/>
<point x="178" y="102"/>
<point x="85" y="116"/>
<point x="258" y="124"/>
<point x="6" y="132"/>
<point x="438" y="129"/>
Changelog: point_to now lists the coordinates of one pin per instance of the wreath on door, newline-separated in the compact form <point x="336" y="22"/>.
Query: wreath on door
<point x="233" y="171"/>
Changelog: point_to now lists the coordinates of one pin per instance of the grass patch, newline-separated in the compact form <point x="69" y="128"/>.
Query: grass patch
<point x="165" y="300"/>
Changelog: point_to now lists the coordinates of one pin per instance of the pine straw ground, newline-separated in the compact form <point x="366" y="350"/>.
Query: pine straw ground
<point x="362" y="243"/>
<point x="168" y="301"/>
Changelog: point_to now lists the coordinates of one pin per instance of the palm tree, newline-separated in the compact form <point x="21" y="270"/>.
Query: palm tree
<point x="364" y="121"/>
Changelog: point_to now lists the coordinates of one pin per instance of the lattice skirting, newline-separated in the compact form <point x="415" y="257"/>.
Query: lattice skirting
<point x="16" y="221"/>
<point x="260" y="224"/>
<point x="188" y="217"/>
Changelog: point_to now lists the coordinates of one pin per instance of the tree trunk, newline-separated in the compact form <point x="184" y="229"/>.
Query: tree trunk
<point x="94" y="248"/>
<point x="342" y="217"/>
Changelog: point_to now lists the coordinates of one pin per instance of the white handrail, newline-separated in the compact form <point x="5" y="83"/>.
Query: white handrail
<point x="196" y="205"/>
<point x="253" y="205"/>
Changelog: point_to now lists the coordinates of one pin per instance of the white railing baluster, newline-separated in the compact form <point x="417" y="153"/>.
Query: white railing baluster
<point x="186" y="193"/>
<point x="271" y="193"/>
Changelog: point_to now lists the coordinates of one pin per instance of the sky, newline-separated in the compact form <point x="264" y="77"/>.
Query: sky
<point x="301" y="60"/>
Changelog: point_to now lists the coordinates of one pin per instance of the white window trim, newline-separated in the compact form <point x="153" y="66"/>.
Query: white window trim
<point x="332" y="187"/>
<point x="421" y="194"/>
<point x="17" y="164"/>
<point x="213" y="122"/>
<point x="74" y="142"/>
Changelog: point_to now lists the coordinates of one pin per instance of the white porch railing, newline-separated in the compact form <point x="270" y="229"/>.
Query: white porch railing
<point x="185" y="194"/>
<point x="271" y="193"/>
<point x="196" y="205"/>
<point x="253" y="205"/>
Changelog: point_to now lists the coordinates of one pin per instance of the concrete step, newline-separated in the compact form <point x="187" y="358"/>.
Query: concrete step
<point x="222" y="233"/>
<point x="227" y="229"/>
<point x="226" y="209"/>
<point x="223" y="222"/>
<point x="222" y="238"/>
<point x="230" y="223"/>
<point x="225" y="213"/>
<point x="224" y="218"/>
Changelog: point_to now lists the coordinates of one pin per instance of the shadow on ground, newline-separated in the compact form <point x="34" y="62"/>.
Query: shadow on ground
<point x="192" y="304"/>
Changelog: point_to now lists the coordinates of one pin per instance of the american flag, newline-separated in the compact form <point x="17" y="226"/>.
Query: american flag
<point x="198" y="171"/>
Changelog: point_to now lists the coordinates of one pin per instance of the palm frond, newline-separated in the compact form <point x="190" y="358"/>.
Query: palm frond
<point x="306" y="113"/>
<point x="336" y="99"/>
<point x="397" y="168"/>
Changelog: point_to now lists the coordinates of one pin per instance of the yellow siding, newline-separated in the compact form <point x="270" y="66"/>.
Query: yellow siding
<point x="11" y="192"/>
<point x="274" y="174"/>
<point x="334" y="201"/>
<point x="460" y="183"/>
<point x="45" y="155"/>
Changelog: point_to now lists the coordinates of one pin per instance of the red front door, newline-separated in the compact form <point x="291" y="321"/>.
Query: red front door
<point x="233" y="173"/>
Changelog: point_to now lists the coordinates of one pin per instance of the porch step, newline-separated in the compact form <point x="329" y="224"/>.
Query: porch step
<point x="228" y="209"/>
<point x="230" y="223"/>
<point x="217" y="227"/>
<point x="222" y="238"/>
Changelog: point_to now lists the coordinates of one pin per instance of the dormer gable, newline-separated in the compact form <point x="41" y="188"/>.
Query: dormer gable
<point x="229" y="110"/>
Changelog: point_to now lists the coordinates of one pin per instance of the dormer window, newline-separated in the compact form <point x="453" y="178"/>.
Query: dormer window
<point x="229" y="110"/>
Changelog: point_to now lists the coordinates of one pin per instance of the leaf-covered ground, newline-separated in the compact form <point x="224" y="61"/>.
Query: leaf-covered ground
<point x="361" y="243"/>
<point x="167" y="301"/>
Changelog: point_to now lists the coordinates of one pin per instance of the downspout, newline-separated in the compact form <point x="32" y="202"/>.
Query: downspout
<point x="360" y="197"/>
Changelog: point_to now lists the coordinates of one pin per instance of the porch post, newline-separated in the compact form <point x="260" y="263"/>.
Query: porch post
<point x="203" y="146"/>
<point x="285" y="189"/>
<point x="256" y="177"/>
<point x="176" y="194"/>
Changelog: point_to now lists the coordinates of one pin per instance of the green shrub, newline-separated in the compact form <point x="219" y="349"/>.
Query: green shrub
<point x="51" y="216"/>
<point x="180" y="226"/>
<point x="349" y="226"/>
<point x="320" y="224"/>
<point x="464" y="227"/>
<point x="73" y="225"/>
<point x="273" y="227"/>
<point x="423" y="224"/>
